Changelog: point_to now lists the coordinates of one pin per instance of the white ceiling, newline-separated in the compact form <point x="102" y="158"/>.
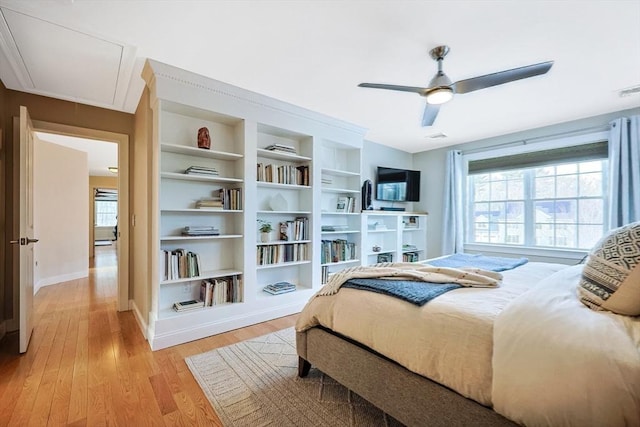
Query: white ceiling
<point x="314" y="53"/>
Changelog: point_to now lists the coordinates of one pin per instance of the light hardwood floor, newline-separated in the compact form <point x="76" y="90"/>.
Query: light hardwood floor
<point x="89" y="365"/>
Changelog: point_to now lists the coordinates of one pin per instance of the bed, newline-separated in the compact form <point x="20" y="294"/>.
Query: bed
<point x="526" y="352"/>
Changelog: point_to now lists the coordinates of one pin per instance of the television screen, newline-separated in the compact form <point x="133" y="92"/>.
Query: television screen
<point x="397" y="185"/>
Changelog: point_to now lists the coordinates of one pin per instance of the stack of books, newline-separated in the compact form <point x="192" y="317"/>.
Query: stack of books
<point x="201" y="170"/>
<point x="409" y="247"/>
<point x="341" y="227"/>
<point x="213" y="203"/>
<point x="198" y="230"/>
<point x="281" y="148"/>
<point x="279" y="288"/>
<point x="188" y="305"/>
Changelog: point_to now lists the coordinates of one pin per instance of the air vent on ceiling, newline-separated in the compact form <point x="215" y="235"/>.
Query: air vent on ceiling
<point x="629" y="91"/>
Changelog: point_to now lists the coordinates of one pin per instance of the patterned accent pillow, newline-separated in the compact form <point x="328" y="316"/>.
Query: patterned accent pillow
<point x="611" y="276"/>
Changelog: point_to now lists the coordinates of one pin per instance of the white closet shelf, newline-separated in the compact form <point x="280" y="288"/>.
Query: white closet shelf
<point x="200" y="152"/>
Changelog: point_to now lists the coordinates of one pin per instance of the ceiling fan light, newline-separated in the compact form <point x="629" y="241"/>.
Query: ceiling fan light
<point x="440" y="95"/>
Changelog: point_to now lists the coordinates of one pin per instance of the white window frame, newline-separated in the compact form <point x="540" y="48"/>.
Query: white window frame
<point x="547" y="144"/>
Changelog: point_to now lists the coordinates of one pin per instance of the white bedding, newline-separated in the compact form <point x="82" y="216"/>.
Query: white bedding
<point x="456" y="327"/>
<point x="556" y="362"/>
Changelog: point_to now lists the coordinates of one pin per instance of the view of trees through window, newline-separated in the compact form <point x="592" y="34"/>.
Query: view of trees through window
<point x="561" y="206"/>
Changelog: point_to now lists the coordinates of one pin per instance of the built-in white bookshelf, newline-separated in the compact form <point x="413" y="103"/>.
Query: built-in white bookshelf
<point x="340" y="206"/>
<point x="394" y="237"/>
<point x="244" y="128"/>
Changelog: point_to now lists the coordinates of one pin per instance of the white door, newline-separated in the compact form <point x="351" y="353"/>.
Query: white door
<point x="26" y="239"/>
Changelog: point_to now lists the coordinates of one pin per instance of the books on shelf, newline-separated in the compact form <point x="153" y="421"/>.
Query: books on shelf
<point x="283" y="174"/>
<point x="385" y="258"/>
<point x="281" y="148"/>
<point x="410" y="257"/>
<point x="188" y="305"/>
<point x="231" y="198"/>
<point x="221" y="290"/>
<point x="346" y="204"/>
<point x="279" y="288"/>
<point x="275" y="254"/>
<point x="197" y="230"/>
<point x="298" y="229"/>
<point x="409" y="247"/>
<point x="179" y="264"/>
<point x="341" y="227"/>
<point x="337" y="250"/>
<point x="212" y="203"/>
<point x="201" y="170"/>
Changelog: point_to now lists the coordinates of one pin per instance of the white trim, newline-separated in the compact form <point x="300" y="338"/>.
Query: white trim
<point x="54" y="280"/>
<point x="513" y="250"/>
<point x="139" y="319"/>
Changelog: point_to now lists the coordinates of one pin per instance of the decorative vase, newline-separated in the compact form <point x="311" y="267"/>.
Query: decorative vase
<point x="264" y="237"/>
<point x="204" y="140"/>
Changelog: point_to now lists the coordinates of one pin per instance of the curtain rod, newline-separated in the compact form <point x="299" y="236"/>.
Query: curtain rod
<point x="526" y="141"/>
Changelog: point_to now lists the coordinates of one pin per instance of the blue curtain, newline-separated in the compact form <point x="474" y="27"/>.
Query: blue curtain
<point x="624" y="171"/>
<point x="452" y="230"/>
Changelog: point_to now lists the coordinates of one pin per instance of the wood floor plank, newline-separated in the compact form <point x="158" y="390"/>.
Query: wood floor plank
<point x="88" y="365"/>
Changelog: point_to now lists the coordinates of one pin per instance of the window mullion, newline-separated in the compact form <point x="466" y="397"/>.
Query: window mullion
<point x="529" y="211"/>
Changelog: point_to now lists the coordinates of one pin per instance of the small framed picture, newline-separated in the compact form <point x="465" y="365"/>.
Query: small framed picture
<point x="341" y="205"/>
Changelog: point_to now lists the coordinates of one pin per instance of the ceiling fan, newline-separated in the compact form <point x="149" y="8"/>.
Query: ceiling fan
<point x="441" y="89"/>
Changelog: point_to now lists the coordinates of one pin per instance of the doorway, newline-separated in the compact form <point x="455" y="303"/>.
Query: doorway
<point x="121" y="184"/>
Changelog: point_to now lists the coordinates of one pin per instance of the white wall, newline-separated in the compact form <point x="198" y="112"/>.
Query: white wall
<point x="61" y="214"/>
<point x="432" y="165"/>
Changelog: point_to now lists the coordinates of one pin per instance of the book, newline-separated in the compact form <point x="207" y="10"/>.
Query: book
<point x="188" y="305"/>
<point x="279" y="288"/>
<point x="341" y="205"/>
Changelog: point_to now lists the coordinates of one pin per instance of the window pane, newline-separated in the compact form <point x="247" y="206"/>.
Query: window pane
<point x="566" y="236"/>
<point x="566" y="211"/>
<point x="106" y="213"/>
<point x="545" y="188"/>
<point x="547" y="171"/>
<point x="588" y="235"/>
<point x="591" y="184"/>
<point x="515" y="234"/>
<point x="481" y="192"/>
<point x="566" y="169"/>
<point x="515" y="212"/>
<point x="544" y="211"/>
<point x="497" y="212"/>
<point x="496" y="232"/>
<point x="544" y="235"/>
<point x="595" y="166"/>
<point x="481" y="232"/>
<point x="498" y="190"/>
<point x="567" y="186"/>
<point x="591" y="211"/>
<point x="515" y="190"/>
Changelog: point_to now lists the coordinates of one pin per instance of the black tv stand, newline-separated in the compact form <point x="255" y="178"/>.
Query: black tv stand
<point x="387" y="208"/>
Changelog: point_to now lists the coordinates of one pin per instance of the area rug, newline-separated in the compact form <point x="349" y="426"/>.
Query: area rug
<point x="256" y="383"/>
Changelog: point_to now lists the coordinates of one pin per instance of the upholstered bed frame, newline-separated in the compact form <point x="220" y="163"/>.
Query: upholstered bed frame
<point x="410" y="398"/>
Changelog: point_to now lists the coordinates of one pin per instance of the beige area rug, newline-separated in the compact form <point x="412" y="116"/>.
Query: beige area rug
<point x="256" y="383"/>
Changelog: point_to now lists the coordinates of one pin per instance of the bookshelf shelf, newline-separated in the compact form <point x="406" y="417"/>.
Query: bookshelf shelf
<point x="282" y="264"/>
<point x="205" y="275"/>
<point x="277" y="155"/>
<point x="194" y="151"/>
<point x="336" y="172"/>
<point x="340" y="232"/>
<point x="340" y="190"/>
<point x="283" y="186"/>
<point x="204" y="178"/>
<point x="222" y="236"/>
<point x="350" y="261"/>
<point x="201" y="211"/>
<point x="282" y="242"/>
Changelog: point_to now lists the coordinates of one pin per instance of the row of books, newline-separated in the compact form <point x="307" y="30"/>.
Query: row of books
<point x="279" y="288"/>
<point x="283" y="174"/>
<point x="221" y="290"/>
<point x="201" y="170"/>
<point x="197" y="230"/>
<point x="346" y="204"/>
<point x="281" y="148"/>
<point x="335" y="227"/>
<point x="274" y="254"/>
<point x="178" y="264"/>
<point x="231" y="198"/>
<point x="192" y="304"/>
<point x="325" y="275"/>
<point x="337" y="250"/>
<point x="410" y="257"/>
<point x="298" y="229"/>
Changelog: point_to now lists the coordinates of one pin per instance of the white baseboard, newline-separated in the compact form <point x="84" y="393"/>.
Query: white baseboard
<point x="54" y="280"/>
<point x="142" y="324"/>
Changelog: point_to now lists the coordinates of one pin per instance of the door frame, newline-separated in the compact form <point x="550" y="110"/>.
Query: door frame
<point x="123" y="193"/>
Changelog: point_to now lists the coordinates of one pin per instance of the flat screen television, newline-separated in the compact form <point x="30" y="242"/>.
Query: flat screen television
<point x="397" y="185"/>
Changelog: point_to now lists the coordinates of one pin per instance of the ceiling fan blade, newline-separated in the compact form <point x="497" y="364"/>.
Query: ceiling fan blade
<point x="415" y="89"/>
<point x="430" y="114"/>
<point x="501" y="77"/>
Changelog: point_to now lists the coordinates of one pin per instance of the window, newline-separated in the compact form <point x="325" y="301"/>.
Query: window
<point x="542" y="203"/>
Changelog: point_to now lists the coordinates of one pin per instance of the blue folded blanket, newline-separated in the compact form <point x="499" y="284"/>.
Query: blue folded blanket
<point x="478" y="261"/>
<point x="418" y="293"/>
